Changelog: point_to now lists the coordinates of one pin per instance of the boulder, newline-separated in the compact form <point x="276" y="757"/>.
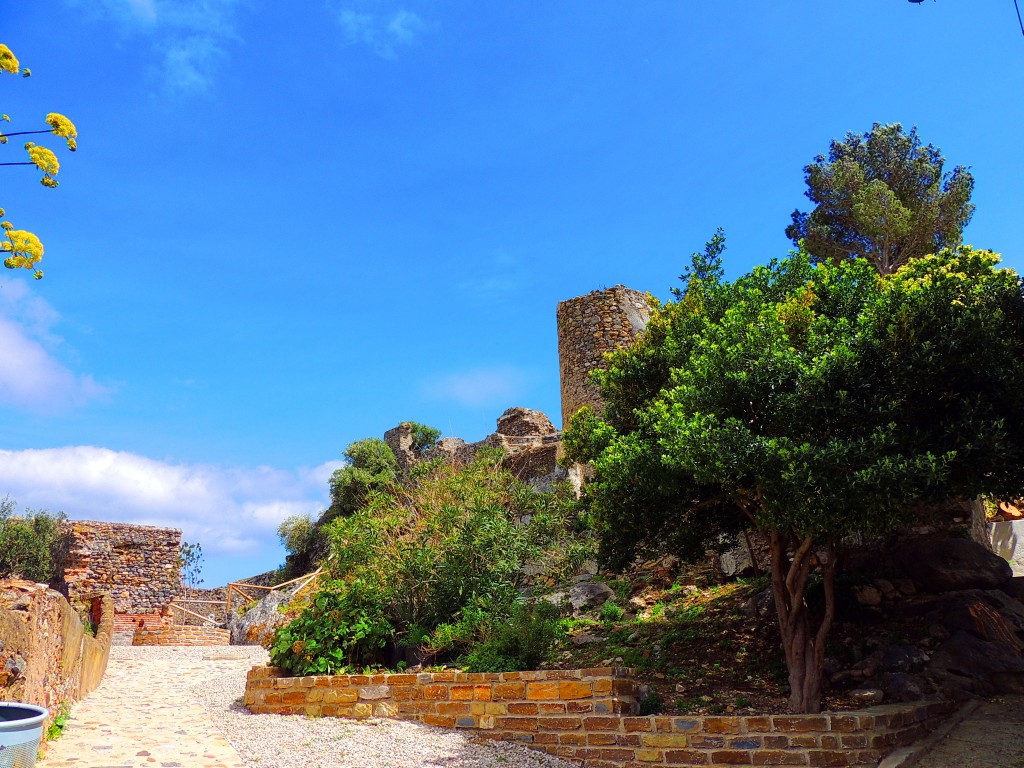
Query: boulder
<point x="965" y="665"/>
<point x="736" y="560"/>
<point x="760" y="606"/>
<point x="1014" y="588"/>
<point x="902" y="686"/>
<point x="949" y="565"/>
<point x="256" y="624"/>
<point x="583" y="596"/>
<point x="988" y="614"/>
<point x="902" y="658"/>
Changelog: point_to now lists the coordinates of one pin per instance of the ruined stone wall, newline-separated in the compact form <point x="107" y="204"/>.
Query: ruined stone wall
<point x="589" y="327"/>
<point x="138" y="565"/>
<point x="46" y="654"/>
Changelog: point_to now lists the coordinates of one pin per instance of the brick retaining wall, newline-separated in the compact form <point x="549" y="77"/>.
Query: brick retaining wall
<point x="182" y="635"/>
<point x="588" y="716"/>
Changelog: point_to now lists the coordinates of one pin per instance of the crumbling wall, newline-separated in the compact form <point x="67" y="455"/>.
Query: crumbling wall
<point x="529" y="441"/>
<point x="138" y="565"/>
<point x="589" y="327"/>
<point x="47" y="656"/>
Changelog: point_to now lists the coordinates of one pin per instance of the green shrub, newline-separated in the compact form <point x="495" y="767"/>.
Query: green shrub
<point x="56" y="728"/>
<point x="443" y="554"/>
<point x="423" y="437"/>
<point x="296" y="533"/>
<point x="343" y="629"/>
<point x="372" y="465"/>
<point x="611" y="611"/>
<point x="28" y="544"/>
<point x="521" y="640"/>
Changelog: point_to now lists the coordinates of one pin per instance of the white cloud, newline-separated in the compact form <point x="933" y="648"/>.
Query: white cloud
<point x="228" y="510"/>
<point x="30" y="375"/>
<point x="187" y="36"/>
<point x="384" y="32"/>
<point x="479" y="387"/>
<point x="188" y="65"/>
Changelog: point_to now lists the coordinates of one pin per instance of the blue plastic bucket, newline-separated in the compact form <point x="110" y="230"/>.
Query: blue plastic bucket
<point x="21" y="730"/>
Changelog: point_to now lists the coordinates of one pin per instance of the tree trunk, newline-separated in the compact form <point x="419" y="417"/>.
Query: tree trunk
<point x="804" y="647"/>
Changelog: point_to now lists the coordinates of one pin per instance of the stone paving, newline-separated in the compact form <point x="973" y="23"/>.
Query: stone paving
<point x="992" y="736"/>
<point x="141" y="716"/>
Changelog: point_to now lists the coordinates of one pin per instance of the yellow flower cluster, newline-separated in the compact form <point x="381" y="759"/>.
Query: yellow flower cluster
<point x="24" y="248"/>
<point x="8" y="61"/>
<point x="46" y="161"/>
<point x="63" y="127"/>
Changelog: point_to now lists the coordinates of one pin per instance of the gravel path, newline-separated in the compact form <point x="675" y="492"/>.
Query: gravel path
<point x="211" y="681"/>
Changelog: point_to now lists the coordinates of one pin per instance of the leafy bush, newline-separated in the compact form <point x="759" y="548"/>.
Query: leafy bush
<point x="372" y="465"/>
<point x="423" y="437"/>
<point x="521" y="640"/>
<point x="28" y="543"/>
<point x="444" y="556"/>
<point x="344" y="628"/>
<point x="296" y="533"/>
<point x="457" y="537"/>
<point x="612" y="611"/>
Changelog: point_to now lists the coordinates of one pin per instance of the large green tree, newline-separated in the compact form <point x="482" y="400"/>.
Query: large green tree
<point x="811" y="401"/>
<point x="882" y="196"/>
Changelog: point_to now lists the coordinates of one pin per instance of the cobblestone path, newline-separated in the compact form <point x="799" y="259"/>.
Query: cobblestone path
<point x="142" y="717"/>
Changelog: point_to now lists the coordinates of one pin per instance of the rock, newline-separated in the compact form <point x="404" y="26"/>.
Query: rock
<point x="524" y="422"/>
<point x="902" y="686"/>
<point x="867" y="595"/>
<point x="888" y="589"/>
<point x="902" y="658"/>
<point x="987" y="614"/>
<point x="15" y="667"/>
<point x="584" y="638"/>
<point x="865" y="697"/>
<point x="905" y="586"/>
<point x="589" y="594"/>
<point x="1014" y="588"/>
<point x="256" y="626"/>
<point x="638" y="603"/>
<point x="736" y="560"/>
<point x="761" y="605"/>
<point x="965" y="665"/>
<point x="948" y="565"/>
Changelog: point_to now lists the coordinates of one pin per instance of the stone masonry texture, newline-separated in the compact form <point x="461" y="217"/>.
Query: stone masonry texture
<point x="182" y="635"/>
<point x="46" y="655"/>
<point x="589" y="716"/>
<point x="138" y="565"/>
<point x="589" y="327"/>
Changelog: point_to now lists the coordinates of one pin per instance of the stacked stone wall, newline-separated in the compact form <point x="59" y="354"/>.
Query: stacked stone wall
<point x="588" y="328"/>
<point x="138" y="565"/>
<point x="182" y="635"/>
<point x="46" y="654"/>
<point x="588" y="716"/>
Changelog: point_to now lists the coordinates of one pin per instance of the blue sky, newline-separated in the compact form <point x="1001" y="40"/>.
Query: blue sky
<point x="293" y="225"/>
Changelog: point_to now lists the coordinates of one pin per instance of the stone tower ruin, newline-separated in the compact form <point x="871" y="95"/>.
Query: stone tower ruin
<point x="588" y="327"/>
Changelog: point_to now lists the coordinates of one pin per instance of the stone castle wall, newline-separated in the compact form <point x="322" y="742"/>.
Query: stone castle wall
<point x="46" y="655"/>
<point x="138" y="565"/>
<point x="589" y="327"/>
